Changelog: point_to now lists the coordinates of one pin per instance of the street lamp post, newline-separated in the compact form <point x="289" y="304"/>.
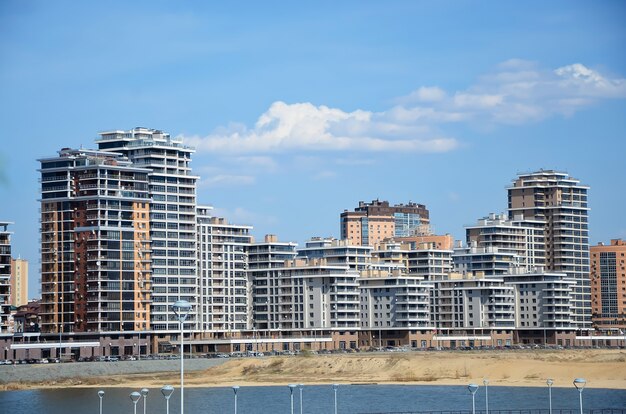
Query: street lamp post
<point x="486" y="384"/>
<point x="144" y="393"/>
<point x="291" y="388"/>
<point x="182" y="308"/>
<point x="549" y="382"/>
<point x="472" y="388"/>
<point x="335" y="386"/>
<point x="580" y="383"/>
<point x="235" y="388"/>
<point x="100" y="394"/>
<point x="167" y="391"/>
<point x="301" y="386"/>
<point x="134" y="397"/>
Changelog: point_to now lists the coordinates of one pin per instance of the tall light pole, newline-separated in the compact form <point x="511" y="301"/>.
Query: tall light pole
<point x="235" y="389"/>
<point x="182" y="308"/>
<point x="301" y="386"/>
<point x="549" y="382"/>
<point x="472" y="388"/>
<point x="486" y="384"/>
<point x="579" y="383"/>
<point x="167" y="391"/>
<point x="291" y="388"/>
<point x="134" y="397"/>
<point x="335" y="386"/>
<point x="144" y="394"/>
<point x="100" y="394"/>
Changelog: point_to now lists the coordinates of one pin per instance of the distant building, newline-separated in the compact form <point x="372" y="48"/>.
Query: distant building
<point x="473" y="311"/>
<point x="223" y="258"/>
<point x="19" y="282"/>
<point x="371" y="223"/>
<point x="263" y="257"/>
<point x="337" y="252"/>
<point x="5" y="276"/>
<point x="26" y="318"/>
<point x="543" y="307"/>
<point x="556" y="204"/>
<point x="608" y="285"/>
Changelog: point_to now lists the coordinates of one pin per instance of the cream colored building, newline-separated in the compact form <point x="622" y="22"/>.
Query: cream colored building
<point x="19" y="282"/>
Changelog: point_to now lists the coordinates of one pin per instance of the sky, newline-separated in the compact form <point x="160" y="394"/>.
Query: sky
<point x="299" y="111"/>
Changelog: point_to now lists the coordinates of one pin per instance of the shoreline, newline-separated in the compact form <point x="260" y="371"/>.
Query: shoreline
<point x="601" y="368"/>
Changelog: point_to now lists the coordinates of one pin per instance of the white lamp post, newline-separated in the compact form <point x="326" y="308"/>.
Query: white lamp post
<point x="235" y="389"/>
<point x="100" y="394"/>
<point x="167" y="391"/>
<point x="549" y="381"/>
<point x="291" y="388"/>
<point x="580" y="383"/>
<point x="335" y="386"/>
<point x="144" y="393"/>
<point x="181" y="308"/>
<point x="301" y="386"/>
<point x="472" y="388"/>
<point x="134" y="397"/>
<point x="486" y="384"/>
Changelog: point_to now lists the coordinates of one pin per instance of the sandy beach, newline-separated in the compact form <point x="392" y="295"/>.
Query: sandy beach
<point x="601" y="368"/>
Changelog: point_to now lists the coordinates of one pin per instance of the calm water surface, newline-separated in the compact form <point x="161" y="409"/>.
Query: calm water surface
<point x="316" y="399"/>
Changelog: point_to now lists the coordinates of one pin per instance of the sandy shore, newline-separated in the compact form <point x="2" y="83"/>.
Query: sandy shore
<point x="601" y="368"/>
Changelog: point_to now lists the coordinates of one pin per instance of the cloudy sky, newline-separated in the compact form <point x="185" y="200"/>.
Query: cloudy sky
<point x="298" y="111"/>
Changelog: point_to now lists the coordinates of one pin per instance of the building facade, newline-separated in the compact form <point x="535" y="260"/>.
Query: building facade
<point x="226" y="293"/>
<point x="608" y="285"/>
<point x="371" y="223"/>
<point x="556" y="204"/>
<point x="172" y="188"/>
<point x="5" y="276"/>
<point x="95" y="244"/>
<point x="543" y="307"/>
<point x="263" y="258"/>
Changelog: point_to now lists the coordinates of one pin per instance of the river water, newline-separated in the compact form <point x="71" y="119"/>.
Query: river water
<point x="316" y="399"/>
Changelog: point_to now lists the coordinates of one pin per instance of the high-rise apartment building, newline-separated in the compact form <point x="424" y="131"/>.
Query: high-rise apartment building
<point x="172" y="189"/>
<point x="556" y="204"/>
<point x="371" y="223"/>
<point x="608" y="285"/>
<point x="19" y="282"/>
<point x="95" y="243"/>
<point x="226" y="293"/>
<point x="263" y="257"/>
<point x="5" y="275"/>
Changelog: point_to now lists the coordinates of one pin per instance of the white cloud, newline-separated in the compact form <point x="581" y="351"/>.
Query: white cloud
<point x="304" y="126"/>
<point x="516" y="92"/>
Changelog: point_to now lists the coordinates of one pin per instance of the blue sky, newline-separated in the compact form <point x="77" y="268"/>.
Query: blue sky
<point x="298" y="111"/>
